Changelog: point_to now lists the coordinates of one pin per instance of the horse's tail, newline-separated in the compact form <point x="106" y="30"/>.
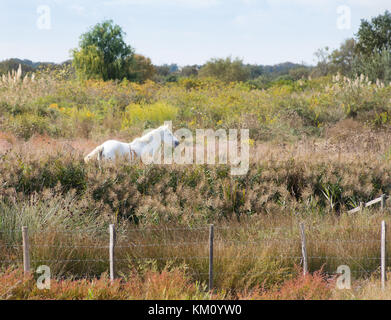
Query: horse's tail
<point x="98" y="151"/>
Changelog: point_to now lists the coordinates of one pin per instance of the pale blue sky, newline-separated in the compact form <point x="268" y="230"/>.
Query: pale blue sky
<point x="186" y="31"/>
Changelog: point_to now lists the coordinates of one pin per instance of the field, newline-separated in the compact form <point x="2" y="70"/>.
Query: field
<point x="318" y="148"/>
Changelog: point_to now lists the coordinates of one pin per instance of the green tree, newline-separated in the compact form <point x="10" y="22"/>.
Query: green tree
<point x="255" y="70"/>
<point x="343" y="58"/>
<point x="299" y="73"/>
<point x="189" y="71"/>
<point x="376" y="66"/>
<point x="140" y="68"/>
<point x="225" y="69"/>
<point x="324" y="66"/>
<point x="373" y="50"/>
<point x="375" y="35"/>
<point x="163" y="71"/>
<point x="102" y="53"/>
<point x="13" y="64"/>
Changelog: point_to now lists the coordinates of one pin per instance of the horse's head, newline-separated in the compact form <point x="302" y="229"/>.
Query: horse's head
<point x="168" y="137"/>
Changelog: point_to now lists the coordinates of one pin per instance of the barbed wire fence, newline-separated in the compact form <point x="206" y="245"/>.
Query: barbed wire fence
<point x="118" y="242"/>
<point x="209" y="245"/>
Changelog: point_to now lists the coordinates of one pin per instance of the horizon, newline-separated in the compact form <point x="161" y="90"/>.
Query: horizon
<point x="187" y="32"/>
<point x="173" y="63"/>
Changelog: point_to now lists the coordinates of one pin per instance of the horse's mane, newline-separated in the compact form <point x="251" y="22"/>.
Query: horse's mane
<point x="146" y="137"/>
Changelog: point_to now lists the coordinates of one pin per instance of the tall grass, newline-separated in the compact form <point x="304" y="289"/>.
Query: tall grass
<point x="286" y="112"/>
<point x="318" y="148"/>
<point x="257" y="251"/>
<point x="162" y="216"/>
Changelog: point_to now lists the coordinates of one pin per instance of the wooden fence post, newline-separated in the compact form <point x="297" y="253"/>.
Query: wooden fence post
<point x="111" y="251"/>
<point x="211" y="236"/>
<point x="362" y="205"/>
<point x="383" y="201"/>
<point x="303" y="249"/>
<point x="383" y="254"/>
<point x="26" y="253"/>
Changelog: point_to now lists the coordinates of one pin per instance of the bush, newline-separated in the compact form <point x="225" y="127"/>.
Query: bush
<point x="26" y="125"/>
<point x="153" y="114"/>
<point x="376" y="66"/>
<point x="227" y="70"/>
<point x="164" y="285"/>
<point x="309" y="287"/>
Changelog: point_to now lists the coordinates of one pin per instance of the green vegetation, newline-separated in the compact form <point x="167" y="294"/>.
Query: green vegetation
<point x="374" y="36"/>
<point x="103" y="54"/>
<point x="319" y="140"/>
<point x="225" y="70"/>
<point x="318" y="148"/>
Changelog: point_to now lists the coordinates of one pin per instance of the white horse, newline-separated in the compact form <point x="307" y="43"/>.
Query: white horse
<point x="139" y="147"/>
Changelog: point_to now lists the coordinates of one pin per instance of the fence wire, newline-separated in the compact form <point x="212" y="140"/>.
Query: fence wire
<point x="124" y="241"/>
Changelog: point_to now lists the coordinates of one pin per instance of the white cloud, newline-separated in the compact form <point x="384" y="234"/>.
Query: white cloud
<point x="370" y="3"/>
<point x="240" y="20"/>
<point x="185" y="3"/>
<point x="78" y="9"/>
<point x="332" y="3"/>
<point x="363" y="9"/>
<point x="249" y="2"/>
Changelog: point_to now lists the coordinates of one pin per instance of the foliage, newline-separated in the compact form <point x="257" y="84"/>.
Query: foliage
<point x="164" y="285"/>
<point x="9" y="65"/>
<point x="190" y="71"/>
<point x="310" y="287"/>
<point x="367" y="54"/>
<point x="57" y="105"/>
<point x="152" y="114"/>
<point x="318" y="147"/>
<point x="374" y="36"/>
<point x="102" y="52"/>
<point x="299" y="73"/>
<point x="324" y="66"/>
<point x="343" y="58"/>
<point x="375" y="67"/>
<point x="225" y="69"/>
<point x="140" y="68"/>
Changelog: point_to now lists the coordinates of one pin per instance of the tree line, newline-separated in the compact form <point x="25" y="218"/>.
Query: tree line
<point x="367" y="53"/>
<point x="103" y="54"/>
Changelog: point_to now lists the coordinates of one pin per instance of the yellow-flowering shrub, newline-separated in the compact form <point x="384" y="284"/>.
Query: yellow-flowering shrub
<point x="155" y="113"/>
<point x="26" y="125"/>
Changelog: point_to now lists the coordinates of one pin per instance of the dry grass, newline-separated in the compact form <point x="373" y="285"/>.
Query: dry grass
<point x="319" y="148"/>
<point x="310" y="287"/>
<point x="172" y="283"/>
<point x="165" y="285"/>
<point x="257" y="251"/>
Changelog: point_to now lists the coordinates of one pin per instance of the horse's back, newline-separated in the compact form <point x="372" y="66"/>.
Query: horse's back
<point x="113" y="148"/>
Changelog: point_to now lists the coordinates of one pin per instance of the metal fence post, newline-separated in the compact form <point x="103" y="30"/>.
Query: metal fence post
<point x="26" y="253"/>
<point x="303" y="249"/>
<point x="111" y="251"/>
<point x="211" y="236"/>
<point x="383" y="254"/>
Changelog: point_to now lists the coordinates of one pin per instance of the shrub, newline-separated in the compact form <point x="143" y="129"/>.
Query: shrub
<point x="152" y="114"/>
<point x="310" y="287"/>
<point x="26" y="125"/>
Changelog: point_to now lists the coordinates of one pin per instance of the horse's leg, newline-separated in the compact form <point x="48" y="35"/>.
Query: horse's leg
<point x="100" y="157"/>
